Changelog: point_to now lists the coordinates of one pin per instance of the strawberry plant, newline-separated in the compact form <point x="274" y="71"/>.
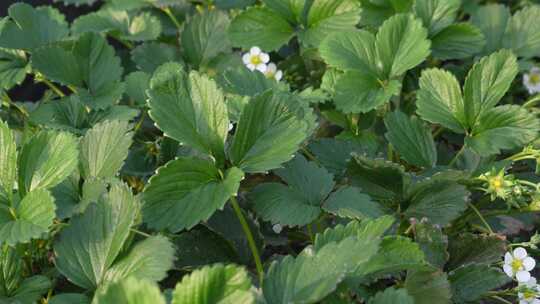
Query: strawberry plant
<point x="270" y="151"/>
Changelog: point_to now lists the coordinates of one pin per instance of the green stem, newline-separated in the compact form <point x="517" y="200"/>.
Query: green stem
<point x="481" y="218"/>
<point x="140" y="232"/>
<point x="53" y="87"/>
<point x="250" y="239"/>
<point x="453" y="161"/>
<point x="13" y="104"/>
<point x="169" y="13"/>
<point x="532" y="101"/>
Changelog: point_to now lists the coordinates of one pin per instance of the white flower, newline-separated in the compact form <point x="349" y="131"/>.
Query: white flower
<point x="231" y="126"/>
<point x="529" y="292"/>
<point x="532" y="80"/>
<point x="277" y="228"/>
<point x="518" y="264"/>
<point x="273" y="72"/>
<point x="255" y="59"/>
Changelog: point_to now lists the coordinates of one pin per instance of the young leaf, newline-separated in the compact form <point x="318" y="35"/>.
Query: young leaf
<point x="391" y="296"/>
<point x="13" y="68"/>
<point x="46" y="160"/>
<point x="436" y="15"/>
<point x="104" y="149"/>
<point x="189" y="108"/>
<point x="411" y="139"/>
<point x="350" y="202"/>
<point x="186" y="191"/>
<point x="29" y="28"/>
<point x="129" y="291"/>
<point x="28" y="219"/>
<point x="458" y="41"/>
<point x="8" y="162"/>
<point x="150" y="55"/>
<point x="219" y="283"/>
<point x="268" y="119"/>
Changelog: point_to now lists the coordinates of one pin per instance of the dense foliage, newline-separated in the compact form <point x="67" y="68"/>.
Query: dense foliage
<point x="273" y="151"/>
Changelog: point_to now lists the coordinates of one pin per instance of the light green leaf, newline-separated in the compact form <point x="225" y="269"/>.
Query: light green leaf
<point x="186" y="191"/>
<point x="458" y="41"/>
<point x="351" y="50"/>
<point x="428" y="287"/>
<point x="89" y="64"/>
<point x="298" y="203"/>
<point x="137" y="83"/>
<point x="242" y="81"/>
<point x="392" y="296"/>
<point x="47" y="159"/>
<point x="8" y="162"/>
<point x="129" y="291"/>
<point x="259" y="26"/>
<point x="470" y="283"/>
<point x="150" y="55"/>
<point x="503" y="127"/>
<point x="104" y="149"/>
<point x="521" y="35"/>
<point x="13" y="68"/>
<point x="350" y="202"/>
<point x="90" y="244"/>
<point x="28" y="219"/>
<point x="189" y="108"/>
<point x="492" y="20"/>
<point x="29" y="28"/>
<point x="205" y="36"/>
<point x="412" y="139"/>
<point x="290" y="10"/>
<point x="149" y="259"/>
<point x="269" y="119"/>
<point x="401" y="44"/>
<point x="487" y="82"/>
<point x="436" y="15"/>
<point x="224" y="284"/>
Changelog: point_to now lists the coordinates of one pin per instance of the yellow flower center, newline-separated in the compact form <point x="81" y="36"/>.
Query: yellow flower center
<point x="517" y="265"/>
<point x="256" y="60"/>
<point x="496" y="183"/>
<point x="534" y="78"/>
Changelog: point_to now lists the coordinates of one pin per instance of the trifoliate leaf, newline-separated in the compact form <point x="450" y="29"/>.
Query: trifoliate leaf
<point x="412" y="139"/>
<point x="119" y="24"/>
<point x="350" y="202"/>
<point x="186" y="191"/>
<point x="428" y="287"/>
<point x="298" y="203"/>
<point x="438" y="200"/>
<point x="470" y="283"/>
<point x="129" y="291"/>
<point x="89" y="64"/>
<point x="260" y="26"/>
<point x="13" y="68"/>
<point x="492" y="20"/>
<point x="521" y="36"/>
<point x="46" y="160"/>
<point x="458" y="41"/>
<point x="27" y="219"/>
<point x="29" y="28"/>
<point x="150" y="55"/>
<point x="391" y="296"/>
<point x="104" y="149"/>
<point x="219" y="283"/>
<point x="468" y="248"/>
<point x="137" y="83"/>
<point x="334" y="154"/>
<point x="204" y="37"/>
<point x="268" y="119"/>
<point x="8" y="162"/>
<point x="436" y="15"/>
<point x="189" y="108"/>
<point x="90" y="244"/>
<point x="501" y="128"/>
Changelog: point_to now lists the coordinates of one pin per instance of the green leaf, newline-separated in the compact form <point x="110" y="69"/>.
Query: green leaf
<point x="137" y="83"/>
<point x="298" y="203"/>
<point x="521" y="36"/>
<point x="351" y="50"/>
<point x="149" y="259"/>
<point x="471" y="282"/>
<point x="268" y="119"/>
<point x="8" y="162"/>
<point x="130" y="291"/>
<point x="104" y="149"/>
<point x="401" y="44"/>
<point x="428" y="287"/>
<point x="69" y="298"/>
<point x="46" y="160"/>
<point x="189" y="108"/>
<point x="438" y="200"/>
<point x="150" y="55"/>
<point x="29" y="291"/>
<point x="440" y="101"/>
<point x="492" y="20"/>
<point x="350" y="202"/>
<point x="226" y="284"/>
<point x="29" y="28"/>
<point x="186" y="191"/>
<point x="487" y="82"/>
<point x="468" y="248"/>
<point x="119" y="24"/>
<point x="259" y="26"/>
<point x="327" y="17"/>
<point x="412" y="139"/>
<point x="89" y="64"/>
<point x="503" y="127"/>
<point x="242" y="81"/>
<point x="458" y="41"/>
<point x="391" y="296"/>
<point x="13" y="68"/>
<point x="433" y="242"/>
<point x="290" y="10"/>
<point x="90" y="244"/>
<point x="27" y="219"/>
<point x="205" y="36"/>
<point x="436" y="15"/>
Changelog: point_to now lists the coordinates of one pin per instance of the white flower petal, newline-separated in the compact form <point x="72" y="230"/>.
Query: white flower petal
<point x="255" y="50"/>
<point x="261" y="68"/>
<point x="535" y="70"/>
<point x="271" y="67"/>
<point x="231" y="126"/>
<point x="520" y="253"/>
<point x="508" y="258"/>
<point x="523" y="302"/>
<point x="246" y="58"/>
<point x="523" y="276"/>
<point x="508" y="270"/>
<point x="251" y="66"/>
<point x="264" y="57"/>
<point x="278" y="75"/>
<point x="529" y="263"/>
<point x="535" y="301"/>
